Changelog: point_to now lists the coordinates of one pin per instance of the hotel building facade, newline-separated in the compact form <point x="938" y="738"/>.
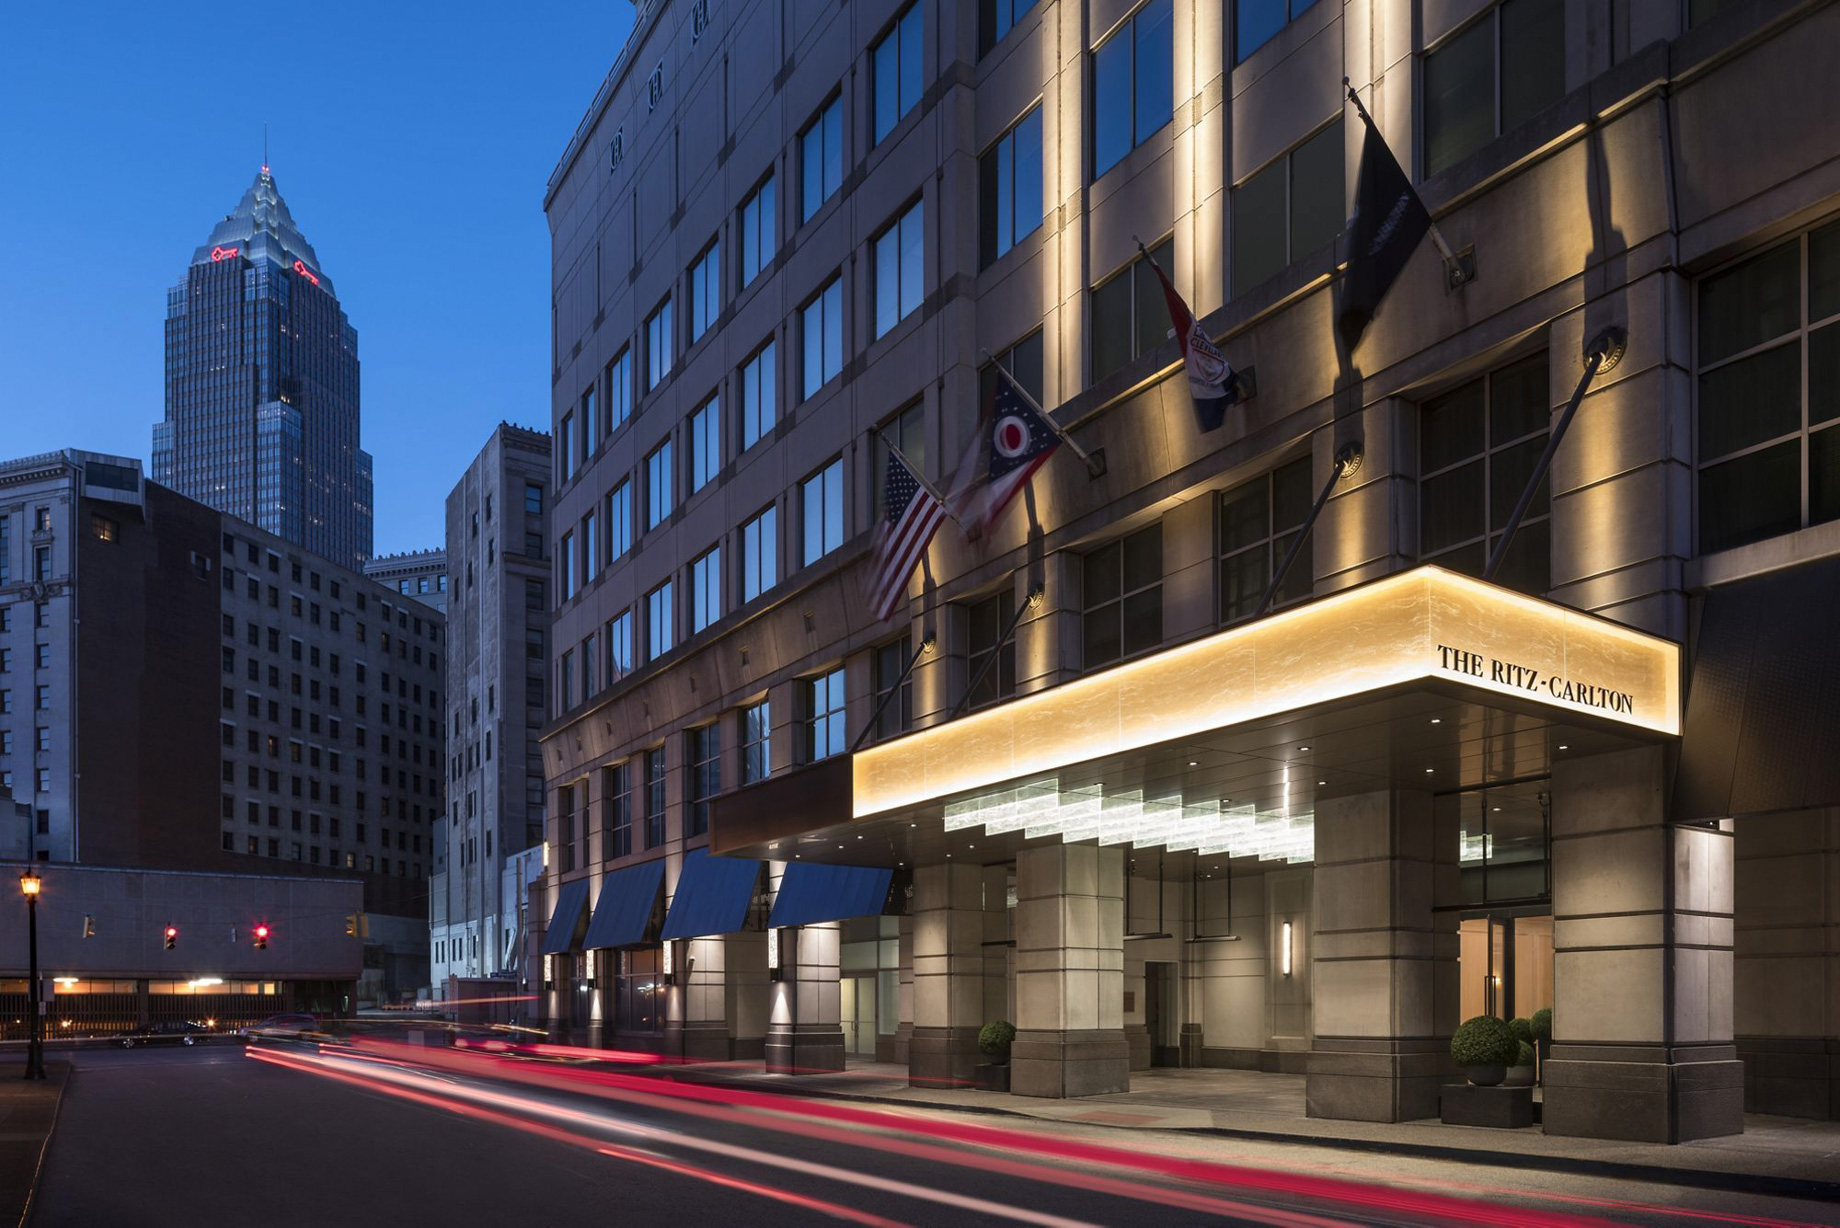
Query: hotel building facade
<point x="1114" y="801"/>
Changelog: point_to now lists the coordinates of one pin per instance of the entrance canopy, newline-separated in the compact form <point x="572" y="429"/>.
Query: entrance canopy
<point x="1220" y="747"/>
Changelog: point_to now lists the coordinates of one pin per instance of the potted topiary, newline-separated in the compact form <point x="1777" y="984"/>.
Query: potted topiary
<point x="1520" y="1074"/>
<point x="994" y="1040"/>
<point x="1542" y="1040"/>
<point x="1522" y="1028"/>
<point x="1484" y="1048"/>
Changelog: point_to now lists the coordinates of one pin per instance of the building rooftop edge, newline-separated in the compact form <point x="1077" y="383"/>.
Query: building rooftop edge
<point x="643" y="12"/>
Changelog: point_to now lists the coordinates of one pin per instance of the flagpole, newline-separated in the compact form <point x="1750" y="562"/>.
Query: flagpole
<point x="926" y="645"/>
<point x="1458" y="275"/>
<point x="1092" y="466"/>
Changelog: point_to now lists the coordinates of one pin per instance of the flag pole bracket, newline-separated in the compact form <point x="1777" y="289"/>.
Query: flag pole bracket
<point x="1460" y="270"/>
<point x="1246" y="382"/>
<point x="1095" y="463"/>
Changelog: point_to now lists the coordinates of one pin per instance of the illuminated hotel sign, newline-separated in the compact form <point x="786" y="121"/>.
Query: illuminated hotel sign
<point x="1427" y="625"/>
<point x="223" y="253"/>
<point x="301" y="268"/>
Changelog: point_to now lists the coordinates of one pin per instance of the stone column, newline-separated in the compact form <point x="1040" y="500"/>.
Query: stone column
<point x="948" y="921"/>
<point x="1070" y="972"/>
<point x="805" y="1030"/>
<point x="1382" y="1043"/>
<point x="724" y="999"/>
<point x="904" y="979"/>
<point x="1642" y="961"/>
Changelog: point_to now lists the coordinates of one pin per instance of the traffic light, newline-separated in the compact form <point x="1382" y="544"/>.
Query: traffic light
<point x="357" y="925"/>
<point x="172" y="937"/>
<point x="89" y="925"/>
<point x="261" y="938"/>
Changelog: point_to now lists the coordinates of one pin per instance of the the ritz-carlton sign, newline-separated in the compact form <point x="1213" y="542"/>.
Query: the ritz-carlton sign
<point x="1526" y="678"/>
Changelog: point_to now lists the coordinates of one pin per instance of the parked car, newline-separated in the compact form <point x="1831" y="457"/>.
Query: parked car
<point x="288" y="1026"/>
<point x="168" y="1032"/>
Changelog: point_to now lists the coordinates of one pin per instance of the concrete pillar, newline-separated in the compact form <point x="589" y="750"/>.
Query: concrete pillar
<point x="1070" y="972"/>
<point x="1382" y="960"/>
<point x="904" y="980"/>
<point x="1642" y="961"/>
<point x="723" y="1009"/>
<point x="805" y="1029"/>
<point x="948" y="916"/>
<point x="1786" y="974"/>
<point x="999" y="970"/>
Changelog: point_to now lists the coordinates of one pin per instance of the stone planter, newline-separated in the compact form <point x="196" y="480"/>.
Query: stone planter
<point x="1500" y="1108"/>
<point x="1518" y="1076"/>
<point x="1485" y="1076"/>
<point x="994" y="1077"/>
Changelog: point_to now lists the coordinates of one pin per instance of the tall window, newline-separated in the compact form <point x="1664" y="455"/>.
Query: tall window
<point x="1133" y="84"/>
<point x="565" y="825"/>
<point x="1477" y="445"/>
<point x="756" y="733"/>
<point x="1023" y="361"/>
<point x="906" y="431"/>
<point x="824" y="716"/>
<point x="1258" y="521"/>
<point x="1288" y="210"/>
<point x="565" y="682"/>
<point x="706" y="289"/>
<point x="759" y="395"/>
<point x="1129" y="317"/>
<point x="658" y="354"/>
<point x="996" y="17"/>
<point x="565" y="448"/>
<point x="706" y="443"/>
<point x="619" y="521"/>
<point x="6" y="551"/>
<point x="660" y="492"/>
<point x="533" y="502"/>
<point x="759" y="233"/>
<point x="660" y="627"/>
<point x="702" y="775"/>
<point x="618" y="640"/>
<point x="567" y="561"/>
<point x="705" y="589"/>
<point x="895" y="65"/>
<point x="760" y="553"/>
<point x="824" y="337"/>
<point x="619" y="389"/>
<point x="1257" y="20"/>
<point x="821" y="158"/>
<point x="821" y="497"/>
<point x="984" y="624"/>
<point x="1123" y="597"/>
<point x="654" y="797"/>
<point x="900" y="272"/>
<point x="1010" y="188"/>
<point x="589" y="434"/>
<point x="888" y="662"/>
<point x="1490" y="76"/>
<point x="1768" y="443"/>
<point x="616" y="811"/>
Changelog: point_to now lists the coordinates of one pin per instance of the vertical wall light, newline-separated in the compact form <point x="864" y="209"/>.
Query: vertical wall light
<point x="773" y="953"/>
<point x="667" y="959"/>
<point x="1285" y="954"/>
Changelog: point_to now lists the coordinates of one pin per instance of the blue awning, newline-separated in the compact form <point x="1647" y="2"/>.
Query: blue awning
<point x="565" y="918"/>
<point x="713" y="895"/>
<point x="811" y="893"/>
<point x="624" y="911"/>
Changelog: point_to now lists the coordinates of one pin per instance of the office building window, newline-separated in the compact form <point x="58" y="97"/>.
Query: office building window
<point x="759" y="232"/>
<point x="1010" y="189"/>
<point x="41" y="563"/>
<point x="1768" y="439"/>
<point x="824" y="715"/>
<point x="985" y="622"/>
<point x="760" y="553"/>
<point x="887" y="662"/>
<point x="759" y="395"/>
<point x="705" y="589"/>
<point x="907" y="432"/>
<point x="103" y="528"/>
<point x="660" y="492"/>
<point x="1289" y="209"/>
<point x="1129" y="316"/>
<point x="706" y="290"/>
<point x="533" y="503"/>
<point x="1491" y="76"/>
<point x="756" y="735"/>
<point x="1133" y="84"/>
<point x="592" y="551"/>
<point x="590" y="434"/>
<point x="702" y="775"/>
<point x="1255" y="21"/>
<point x="565" y="451"/>
<point x="616" y="811"/>
<point x="6" y="551"/>
<point x="823" y="328"/>
<point x="900" y="272"/>
<point x="996" y="17"/>
<point x="1258" y="521"/>
<point x="565" y="826"/>
<point x="619" y="521"/>
<point x="1023" y="361"/>
<point x="821" y="158"/>
<point x="566" y="563"/>
<point x="619" y="389"/>
<point x="1123" y="597"/>
<point x="660" y="629"/>
<point x="705" y="443"/>
<point x="895" y="69"/>
<point x="1477" y="446"/>
<point x="821" y="497"/>
<point x="618" y="641"/>
<point x="654" y="797"/>
<point x="658" y="355"/>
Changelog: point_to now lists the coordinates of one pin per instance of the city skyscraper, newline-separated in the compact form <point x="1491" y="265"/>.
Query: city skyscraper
<point x="262" y="385"/>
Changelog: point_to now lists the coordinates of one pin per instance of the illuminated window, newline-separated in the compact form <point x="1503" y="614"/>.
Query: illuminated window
<point x="1129" y="316"/>
<point x="103" y="528"/>
<point x="1290" y="209"/>
<point x="1010" y="188"/>
<point x="900" y="272"/>
<point x="759" y="231"/>
<point x="1123" y="597"/>
<point x="895" y="69"/>
<point x="1133" y="84"/>
<point x="1258" y="521"/>
<point x="759" y="395"/>
<point x="1490" y="77"/>
<point x="821" y="158"/>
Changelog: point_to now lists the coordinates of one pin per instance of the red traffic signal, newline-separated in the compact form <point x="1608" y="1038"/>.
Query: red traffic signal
<point x="261" y="938"/>
<point x="172" y="937"/>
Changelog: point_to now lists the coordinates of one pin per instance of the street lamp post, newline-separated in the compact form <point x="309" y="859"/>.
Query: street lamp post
<point x="29" y="884"/>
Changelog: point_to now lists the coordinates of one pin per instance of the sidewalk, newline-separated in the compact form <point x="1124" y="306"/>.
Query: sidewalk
<point x="28" y="1110"/>
<point x="1779" y="1155"/>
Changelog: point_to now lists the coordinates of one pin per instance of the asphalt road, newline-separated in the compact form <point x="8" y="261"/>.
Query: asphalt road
<point x="292" y="1136"/>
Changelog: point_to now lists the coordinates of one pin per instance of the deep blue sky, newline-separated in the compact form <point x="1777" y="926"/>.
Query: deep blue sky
<point x="412" y="142"/>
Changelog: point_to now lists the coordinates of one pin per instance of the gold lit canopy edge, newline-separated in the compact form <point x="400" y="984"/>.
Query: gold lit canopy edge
<point x="1427" y="624"/>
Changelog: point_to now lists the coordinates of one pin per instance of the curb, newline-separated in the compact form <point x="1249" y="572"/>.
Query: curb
<point x="1697" y="1178"/>
<point x="44" y="1149"/>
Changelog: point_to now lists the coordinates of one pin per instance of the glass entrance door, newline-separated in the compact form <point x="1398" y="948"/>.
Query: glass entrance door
<point x="857" y="1013"/>
<point x="1506" y="964"/>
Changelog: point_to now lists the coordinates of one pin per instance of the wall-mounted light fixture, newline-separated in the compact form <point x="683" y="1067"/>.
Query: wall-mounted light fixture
<point x="1285" y="953"/>
<point x="667" y="958"/>
<point x="773" y="936"/>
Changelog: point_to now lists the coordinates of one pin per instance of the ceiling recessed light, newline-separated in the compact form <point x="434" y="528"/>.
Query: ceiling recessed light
<point x="1497" y="809"/>
<point x="1193" y="763"/>
<point x="1563" y="746"/>
<point x="1428" y="771"/>
<point x="1303" y="748"/>
<point x="859" y="837"/>
<point x="1322" y="782"/>
<point x="913" y="824"/>
<point x="971" y="846"/>
<point x="1437" y="720"/>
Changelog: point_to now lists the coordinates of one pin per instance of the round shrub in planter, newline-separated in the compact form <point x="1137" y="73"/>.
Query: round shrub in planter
<point x="1523" y="1029"/>
<point x="994" y="1040"/>
<point x="1520" y="1074"/>
<point x="1484" y="1047"/>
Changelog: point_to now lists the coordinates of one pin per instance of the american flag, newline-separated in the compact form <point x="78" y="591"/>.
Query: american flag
<point x="910" y="517"/>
